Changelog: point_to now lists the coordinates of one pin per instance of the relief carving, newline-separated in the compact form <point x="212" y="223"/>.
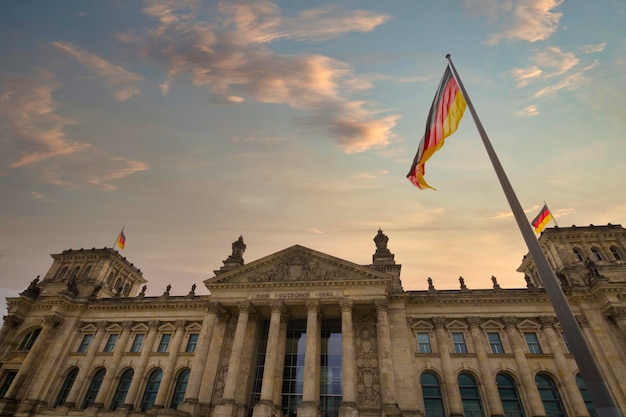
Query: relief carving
<point x="368" y="379"/>
<point x="222" y="370"/>
<point x="298" y="268"/>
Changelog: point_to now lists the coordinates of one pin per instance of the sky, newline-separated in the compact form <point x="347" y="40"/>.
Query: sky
<point x="190" y="123"/>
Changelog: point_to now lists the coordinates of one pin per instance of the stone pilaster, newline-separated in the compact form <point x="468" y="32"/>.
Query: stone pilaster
<point x="309" y="407"/>
<point x="348" y="406"/>
<point x="265" y="407"/>
<point x="449" y="380"/>
<point x="486" y="373"/>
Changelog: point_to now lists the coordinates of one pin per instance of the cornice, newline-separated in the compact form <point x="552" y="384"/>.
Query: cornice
<point x="299" y="284"/>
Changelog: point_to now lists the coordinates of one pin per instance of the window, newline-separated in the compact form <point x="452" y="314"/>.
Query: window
<point x="616" y="253"/>
<point x="565" y="342"/>
<point x="122" y="389"/>
<point x="597" y="256"/>
<point x="110" y="343"/>
<point x="495" y="342"/>
<point x="6" y="384"/>
<point x="509" y="396"/>
<point x="165" y="341"/>
<point x="152" y="387"/>
<point x="533" y="343"/>
<point x="470" y="396"/>
<point x="94" y="387"/>
<point x="549" y="396"/>
<point x="179" y="389"/>
<point x="84" y="344"/>
<point x="423" y="342"/>
<point x="431" y="391"/>
<point x="458" y="339"/>
<point x="29" y="340"/>
<point x="582" y="386"/>
<point x="65" y="388"/>
<point x="579" y="255"/>
<point x="136" y="347"/>
<point x="192" y="342"/>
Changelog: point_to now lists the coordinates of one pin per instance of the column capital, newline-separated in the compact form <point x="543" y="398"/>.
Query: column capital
<point x="615" y="313"/>
<point x="180" y="324"/>
<point x="313" y="305"/>
<point x="381" y="304"/>
<point x="510" y="322"/>
<point x="51" y="321"/>
<point x="277" y="306"/>
<point x="439" y="322"/>
<point x="245" y="306"/>
<point x="127" y="324"/>
<point x="582" y="321"/>
<point x="547" y="321"/>
<point x="153" y="324"/>
<point x="101" y="325"/>
<point x="12" y="320"/>
<point x="346" y="304"/>
<point x="473" y="321"/>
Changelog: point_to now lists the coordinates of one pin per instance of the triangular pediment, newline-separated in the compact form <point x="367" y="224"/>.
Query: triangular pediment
<point x="296" y="265"/>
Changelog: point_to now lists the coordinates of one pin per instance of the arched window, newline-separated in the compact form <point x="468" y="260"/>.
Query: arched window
<point x="597" y="256"/>
<point x="152" y="387"/>
<point x="470" y="396"/>
<point x="586" y="397"/>
<point x="180" y="388"/>
<point x="65" y="388"/>
<point x="62" y="272"/>
<point x="29" y="340"/>
<point x="509" y="396"/>
<point x="75" y="271"/>
<point x="87" y="271"/>
<point x="550" y="396"/>
<point x="431" y="391"/>
<point x="126" y="289"/>
<point x="579" y="255"/>
<point x="617" y="254"/>
<point x="94" y="387"/>
<point x="122" y="389"/>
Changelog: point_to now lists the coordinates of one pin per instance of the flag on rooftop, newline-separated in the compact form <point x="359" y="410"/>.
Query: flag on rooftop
<point x="543" y="218"/>
<point x="121" y="239"/>
<point x="443" y="120"/>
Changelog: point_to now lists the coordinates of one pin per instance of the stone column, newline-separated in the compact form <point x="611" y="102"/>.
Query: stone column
<point x="348" y="362"/>
<point x="201" y="352"/>
<point x="385" y="364"/>
<point x="280" y="363"/>
<point x="486" y="373"/>
<point x="265" y="407"/>
<point x="140" y="368"/>
<point x="120" y="345"/>
<point x="48" y="324"/>
<point x="170" y="365"/>
<point x="450" y="383"/>
<point x="528" y="384"/>
<point x="86" y="364"/>
<point x="309" y="407"/>
<point x="226" y="406"/>
<point x="618" y="314"/>
<point x="565" y="373"/>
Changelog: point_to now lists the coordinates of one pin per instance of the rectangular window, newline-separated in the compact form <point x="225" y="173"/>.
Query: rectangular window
<point x="458" y="339"/>
<point x="423" y="342"/>
<point x="6" y="384"/>
<point x="192" y="342"/>
<point x="533" y="343"/>
<point x="136" y="347"/>
<point x="165" y="341"/>
<point x="29" y="340"/>
<point x="110" y="343"/>
<point x="84" y="344"/>
<point x="495" y="342"/>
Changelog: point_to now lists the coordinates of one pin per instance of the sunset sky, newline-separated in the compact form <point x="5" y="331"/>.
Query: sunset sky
<point x="293" y="122"/>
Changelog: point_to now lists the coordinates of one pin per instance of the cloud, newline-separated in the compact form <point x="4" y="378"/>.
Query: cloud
<point x="116" y="77"/>
<point x="553" y="58"/>
<point x="230" y="57"/>
<point x="528" y="111"/>
<point x="524" y="75"/>
<point x="590" y="49"/>
<point x="527" y="20"/>
<point x="35" y="137"/>
<point x="570" y="82"/>
<point x="30" y="113"/>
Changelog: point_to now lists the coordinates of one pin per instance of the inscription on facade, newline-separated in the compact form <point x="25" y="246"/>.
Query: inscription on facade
<point x="295" y="294"/>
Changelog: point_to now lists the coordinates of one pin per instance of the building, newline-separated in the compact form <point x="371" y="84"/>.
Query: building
<point x="300" y="332"/>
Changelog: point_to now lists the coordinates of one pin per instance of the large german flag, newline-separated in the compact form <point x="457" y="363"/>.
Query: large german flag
<point x="542" y="219"/>
<point x="443" y="119"/>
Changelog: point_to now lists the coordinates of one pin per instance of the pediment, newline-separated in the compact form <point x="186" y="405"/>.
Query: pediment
<point x="294" y="265"/>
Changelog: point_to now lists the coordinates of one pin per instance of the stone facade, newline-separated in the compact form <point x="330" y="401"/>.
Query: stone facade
<point x="303" y="333"/>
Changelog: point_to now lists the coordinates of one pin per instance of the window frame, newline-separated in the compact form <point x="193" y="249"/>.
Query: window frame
<point x="192" y="345"/>
<point x="164" y="343"/>
<point x="85" y="342"/>
<point x="137" y="343"/>
<point x="109" y="346"/>
<point x="66" y="387"/>
<point x="29" y="339"/>
<point x="534" y="346"/>
<point x="497" y="347"/>
<point x="424" y="346"/>
<point x="459" y="346"/>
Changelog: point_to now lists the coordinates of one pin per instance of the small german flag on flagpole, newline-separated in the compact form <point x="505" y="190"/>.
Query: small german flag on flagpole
<point x="121" y="239"/>
<point x="543" y="218"/>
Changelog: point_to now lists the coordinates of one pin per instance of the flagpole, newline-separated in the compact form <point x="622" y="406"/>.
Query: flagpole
<point x="597" y="386"/>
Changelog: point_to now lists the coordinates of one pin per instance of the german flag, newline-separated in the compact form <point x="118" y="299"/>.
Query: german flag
<point x="121" y="239"/>
<point x="443" y="120"/>
<point x="543" y="218"/>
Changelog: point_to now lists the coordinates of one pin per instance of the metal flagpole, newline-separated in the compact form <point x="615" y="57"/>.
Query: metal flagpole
<point x="598" y="389"/>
